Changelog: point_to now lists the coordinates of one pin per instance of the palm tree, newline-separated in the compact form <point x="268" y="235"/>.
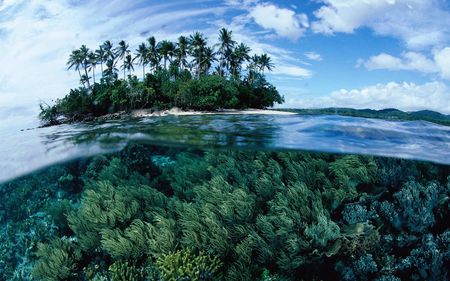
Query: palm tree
<point x="75" y="60"/>
<point x="198" y="44"/>
<point x="111" y="70"/>
<point x="208" y="57"/>
<point x="101" y="57"/>
<point x="142" y="57"/>
<point x="239" y="55"/>
<point x="121" y="51"/>
<point x="167" y="50"/>
<point x="253" y="67"/>
<point x="128" y="64"/>
<point x="108" y="48"/>
<point x="109" y="57"/>
<point x="265" y="62"/>
<point x="92" y="63"/>
<point x="182" y="51"/>
<point x="84" y="55"/>
<point x="153" y="55"/>
<point x="226" y="44"/>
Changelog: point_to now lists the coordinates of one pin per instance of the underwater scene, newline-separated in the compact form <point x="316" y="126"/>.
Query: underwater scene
<point x="227" y="198"/>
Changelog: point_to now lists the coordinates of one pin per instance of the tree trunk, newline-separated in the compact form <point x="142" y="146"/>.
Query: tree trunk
<point x="87" y="76"/>
<point x="123" y="64"/>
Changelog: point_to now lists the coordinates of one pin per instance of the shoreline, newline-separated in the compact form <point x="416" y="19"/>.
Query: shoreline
<point x="137" y="113"/>
<point x="144" y="113"/>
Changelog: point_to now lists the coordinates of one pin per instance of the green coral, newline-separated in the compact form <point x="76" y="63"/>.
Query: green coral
<point x="347" y="173"/>
<point x="185" y="265"/>
<point x="139" y="239"/>
<point x="103" y="207"/>
<point x="125" y="271"/>
<point x="57" y="260"/>
<point x="293" y="214"/>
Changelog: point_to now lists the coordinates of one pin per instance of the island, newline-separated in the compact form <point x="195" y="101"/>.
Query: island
<point x="188" y="74"/>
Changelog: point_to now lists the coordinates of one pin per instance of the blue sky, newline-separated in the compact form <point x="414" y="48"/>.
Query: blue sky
<point x="353" y="53"/>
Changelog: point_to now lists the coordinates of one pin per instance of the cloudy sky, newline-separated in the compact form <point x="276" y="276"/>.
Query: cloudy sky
<point x="353" y="53"/>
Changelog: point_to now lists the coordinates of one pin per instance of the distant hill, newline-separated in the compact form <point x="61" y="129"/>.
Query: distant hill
<point x="387" y="114"/>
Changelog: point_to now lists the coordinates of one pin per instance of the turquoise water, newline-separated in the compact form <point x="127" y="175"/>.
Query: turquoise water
<point x="27" y="150"/>
<point x="226" y="197"/>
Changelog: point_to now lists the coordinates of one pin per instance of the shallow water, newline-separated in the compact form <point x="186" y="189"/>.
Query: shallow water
<point x="239" y="197"/>
<point x="27" y="150"/>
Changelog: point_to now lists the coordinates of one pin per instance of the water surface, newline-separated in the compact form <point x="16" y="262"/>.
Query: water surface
<point x="24" y="151"/>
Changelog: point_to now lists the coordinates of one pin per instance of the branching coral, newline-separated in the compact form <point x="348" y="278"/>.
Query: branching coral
<point x="57" y="260"/>
<point x="413" y="206"/>
<point x="185" y="265"/>
<point x="124" y="271"/>
<point x="139" y="239"/>
<point x="103" y="207"/>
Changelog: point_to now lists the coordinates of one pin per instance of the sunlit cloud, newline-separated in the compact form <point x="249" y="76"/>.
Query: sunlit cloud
<point x="403" y="96"/>
<point x="418" y="23"/>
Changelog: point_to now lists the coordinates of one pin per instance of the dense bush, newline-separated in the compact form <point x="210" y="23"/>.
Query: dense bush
<point x="208" y="93"/>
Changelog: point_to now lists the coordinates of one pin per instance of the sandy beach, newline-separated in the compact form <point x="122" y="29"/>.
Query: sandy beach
<point x="178" y="112"/>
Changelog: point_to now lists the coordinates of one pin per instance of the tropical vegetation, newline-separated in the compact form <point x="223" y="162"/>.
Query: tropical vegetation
<point x="189" y="74"/>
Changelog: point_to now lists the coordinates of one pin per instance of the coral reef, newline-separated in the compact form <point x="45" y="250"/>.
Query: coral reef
<point x="154" y="213"/>
<point x="185" y="265"/>
<point x="57" y="260"/>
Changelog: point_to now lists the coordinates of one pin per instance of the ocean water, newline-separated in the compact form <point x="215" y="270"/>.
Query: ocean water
<point x="226" y="197"/>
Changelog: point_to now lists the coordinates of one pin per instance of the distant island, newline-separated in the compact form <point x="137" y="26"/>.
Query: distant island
<point x="385" y="114"/>
<point x="188" y="74"/>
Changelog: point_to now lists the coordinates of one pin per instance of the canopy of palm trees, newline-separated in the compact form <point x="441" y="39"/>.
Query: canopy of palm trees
<point x="142" y="57"/>
<point x="167" y="50"/>
<point x="226" y="45"/>
<point x="128" y="64"/>
<point x="192" y="53"/>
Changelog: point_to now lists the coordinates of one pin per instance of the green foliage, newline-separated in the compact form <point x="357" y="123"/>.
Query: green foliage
<point x="208" y="93"/>
<point x="185" y="265"/>
<point x="57" y="260"/>
<point x="49" y="113"/>
<point x="259" y="93"/>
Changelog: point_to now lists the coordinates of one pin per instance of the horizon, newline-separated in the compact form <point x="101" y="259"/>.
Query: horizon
<point x="326" y="54"/>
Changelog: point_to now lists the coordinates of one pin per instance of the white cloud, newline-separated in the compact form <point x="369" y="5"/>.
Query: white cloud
<point x="439" y="63"/>
<point x="285" y="22"/>
<point x="442" y="59"/>
<point x="292" y="70"/>
<point x="419" y="23"/>
<point x="286" y="61"/>
<point x="403" y="96"/>
<point x="313" y="56"/>
<point x="408" y="61"/>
